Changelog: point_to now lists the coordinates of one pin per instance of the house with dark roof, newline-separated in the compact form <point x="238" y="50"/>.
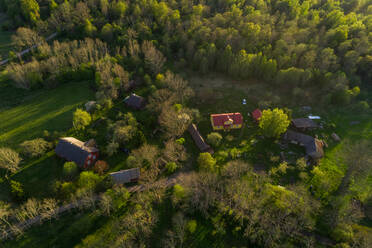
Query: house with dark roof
<point x="226" y="121"/>
<point x="304" y="124"/>
<point x="313" y="147"/>
<point x="126" y="176"/>
<point x="135" y="101"/>
<point x="77" y="151"/>
<point x="198" y="139"/>
<point x="256" y="115"/>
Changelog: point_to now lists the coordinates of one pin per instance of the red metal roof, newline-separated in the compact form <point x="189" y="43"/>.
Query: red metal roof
<point x="256" y="114"/>
<point x="219" y="119"/>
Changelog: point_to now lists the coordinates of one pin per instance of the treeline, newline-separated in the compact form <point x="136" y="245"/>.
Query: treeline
<point x="302" y="43"/>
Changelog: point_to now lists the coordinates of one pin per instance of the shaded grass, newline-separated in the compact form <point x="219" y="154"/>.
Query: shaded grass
<point x="45" y="110"/>
<point x="66" y="231"/>
<point x="6" y="43"/>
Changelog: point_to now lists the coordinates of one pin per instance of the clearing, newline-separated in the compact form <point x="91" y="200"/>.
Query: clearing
<point x="42" y="110"/>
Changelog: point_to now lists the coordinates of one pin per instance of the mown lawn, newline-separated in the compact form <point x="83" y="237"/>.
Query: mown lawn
<point x="42" y="110"/>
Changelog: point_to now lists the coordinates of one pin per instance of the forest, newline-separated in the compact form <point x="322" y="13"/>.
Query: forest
<point x="144" y="82"/>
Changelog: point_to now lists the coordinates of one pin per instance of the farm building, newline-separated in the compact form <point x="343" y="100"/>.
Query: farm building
<point x="126" y="176"/>
<point x="313" y="146"/>
<point x="135" y="101"/>
<point x="304" y="124"/>
<point x="256" y="115"/>
<point x="198" y="139"/>
<point x="77" y="151"/>
<point x="226" y="121"/>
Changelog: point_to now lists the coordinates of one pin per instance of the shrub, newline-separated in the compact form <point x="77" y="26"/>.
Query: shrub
<point x="171" y="167"/>
<point x="342" y="232"/>
<point x="214" y="139"/>
<point x="67" y="189"/>
<point x="100" y="167"/>
<point x="274" y="122"/>
<point x="206" y="162"/>
<point x="179" y="193"/>
<point x="35" y="147"/>
<point x="81" y="119"/>
<point x="17" y="189"/>
<point x="222" y="156"/>
<point x="89" y="180"/>
<point x="234" y="153"/>
<point x="191" y="226"/>
<point x="9" y="159"/>
<point x="70" y="170"/>
<point x="362" y="106"/>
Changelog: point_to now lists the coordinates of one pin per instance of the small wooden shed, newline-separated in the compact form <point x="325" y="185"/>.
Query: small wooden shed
<point x="77" y="151"/>
<point x="135" y="101"/>
<point x="198" y="139"/>
<point x="126" y="176"/>
<point x="304" y="124"/>
<point x="256" y="115"/>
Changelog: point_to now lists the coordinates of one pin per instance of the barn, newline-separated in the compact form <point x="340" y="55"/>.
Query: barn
<point x="125" y="176"/>
<point x="226" y="121"/>
<point x="77" y="151"/>
<point x="198" y="139"/>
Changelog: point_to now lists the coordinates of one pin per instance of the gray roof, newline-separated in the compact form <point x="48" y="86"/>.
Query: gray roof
<point x="304" y="123"/>
<point x="125" y="176"/>
<point x="313" y="147"/>
<point x="135" y="101"/>
<point x="198" y="139"/>
<point x="73" y="149"/>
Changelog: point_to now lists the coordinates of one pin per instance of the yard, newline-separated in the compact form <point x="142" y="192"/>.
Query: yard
<point x="41" y="110"/>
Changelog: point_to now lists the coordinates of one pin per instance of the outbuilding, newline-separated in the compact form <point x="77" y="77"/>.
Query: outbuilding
<point x="135" y="101"/>
<point x="198" y="139"/>
<point x="126" y="176"/>
<point x="77" y="151"/>
<point x="226" y="121"/>
<point x="256" y="115"/>
<point x="313" y="147"/>
<point x="304" y="124"/>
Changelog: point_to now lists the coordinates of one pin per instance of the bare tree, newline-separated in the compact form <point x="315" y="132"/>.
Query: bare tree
<point x="9" y="159"/>
<point x="174" y="122"/>
<point x="48" y="209"/>
<point x="26" y="38"/>
<point x="174" y="152"/>
<point x="161" y="98"/>
<point x="105" y="204"/>
<point x="179" y="86"/>
<point x="154" y="59"/>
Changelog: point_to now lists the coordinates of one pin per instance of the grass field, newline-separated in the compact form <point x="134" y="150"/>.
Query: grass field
<point x="5" y="43"/>
<point x="42" y="110"/>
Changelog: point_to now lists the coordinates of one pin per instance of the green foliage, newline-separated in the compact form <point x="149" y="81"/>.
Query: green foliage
<point x="178" y="192"/>
<point x="326" y="178"/>
<point x="30" y="10"/>
<point x="214" y="139"/>
<point x="35" y="147"/>
<point x="70" y="170"/>
<point x="191" y="226"/>
<point x="342" y="232"/>
<point x="274" y="122"/>
<point x="17" y="189"/>
<point x="206" y="162"/>
<point x="81" y="119"/>
<point x="89" y="29"/>
<point x="89" y="180"/>
<point x="171" y="167"/>
<point x="67" y="189"/>
<point x="180" y="141"/>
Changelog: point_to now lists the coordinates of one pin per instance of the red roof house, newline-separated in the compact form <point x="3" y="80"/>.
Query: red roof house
<point x="226" y="121"/>
<point x="256" y="115"/>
